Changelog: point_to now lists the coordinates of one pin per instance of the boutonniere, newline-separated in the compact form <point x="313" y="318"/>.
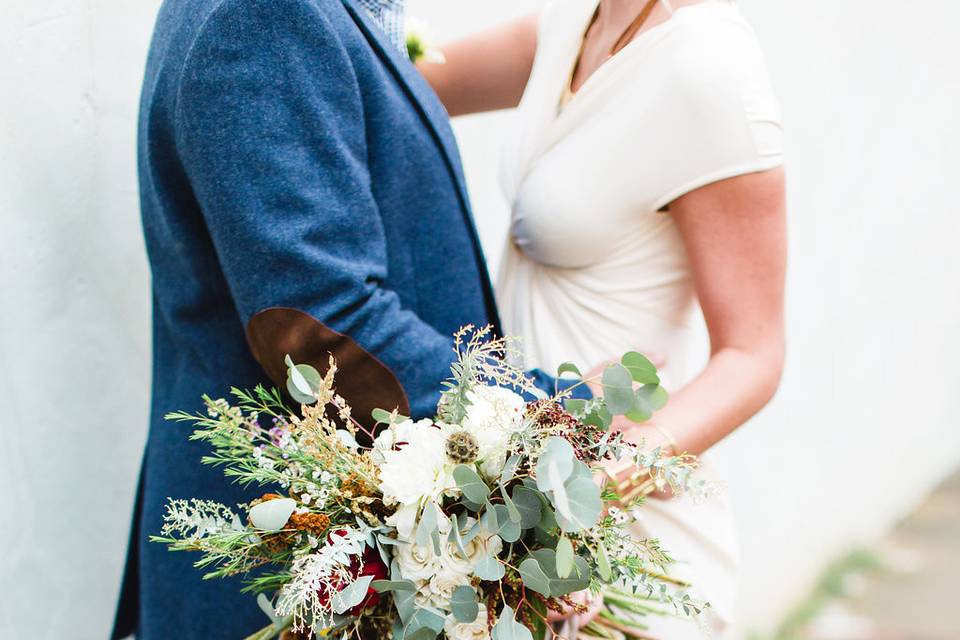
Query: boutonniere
<point x="420" y="43"/>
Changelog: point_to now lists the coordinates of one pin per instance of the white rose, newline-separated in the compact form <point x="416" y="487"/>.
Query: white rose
<point x="418" y="563"/>
<point x="439" y="589"/>
<point x="481" y="545"/>
<point x="494" y="414"/>
<point x="476" y="630"/>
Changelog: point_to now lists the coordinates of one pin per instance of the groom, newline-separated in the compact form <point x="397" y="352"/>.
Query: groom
<point x="301" y="193"/>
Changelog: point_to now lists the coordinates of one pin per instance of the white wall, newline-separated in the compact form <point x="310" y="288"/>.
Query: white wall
<point x="74" y="332"/>
<point x="865" y="422"/>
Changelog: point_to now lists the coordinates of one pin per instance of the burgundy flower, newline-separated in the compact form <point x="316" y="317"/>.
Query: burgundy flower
<point x="372" y="566"/>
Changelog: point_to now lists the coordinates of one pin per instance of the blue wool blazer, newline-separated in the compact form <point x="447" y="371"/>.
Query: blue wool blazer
<point x="301" y="193"/>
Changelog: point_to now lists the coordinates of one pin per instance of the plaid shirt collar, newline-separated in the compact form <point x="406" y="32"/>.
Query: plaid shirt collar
<point x="389" y="16"/>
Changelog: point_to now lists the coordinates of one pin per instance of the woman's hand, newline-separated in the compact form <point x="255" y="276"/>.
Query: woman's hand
<point x="618" y="472"/>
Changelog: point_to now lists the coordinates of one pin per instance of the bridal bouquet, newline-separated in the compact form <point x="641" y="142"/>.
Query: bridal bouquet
<point x="472" y="525"/>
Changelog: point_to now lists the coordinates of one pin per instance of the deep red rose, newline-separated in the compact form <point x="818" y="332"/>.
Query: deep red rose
<point x="372" y="566"/>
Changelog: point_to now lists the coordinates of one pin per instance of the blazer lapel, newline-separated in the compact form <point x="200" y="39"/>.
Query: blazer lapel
<point x="420" y="93"/>
<point x="433" y="113"/>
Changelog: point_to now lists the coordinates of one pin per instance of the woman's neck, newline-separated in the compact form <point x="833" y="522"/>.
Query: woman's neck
<point x="618" y="12"/>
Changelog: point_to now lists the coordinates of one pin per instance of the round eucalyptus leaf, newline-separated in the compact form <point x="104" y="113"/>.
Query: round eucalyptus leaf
<point x="640" y="368"/>
<point x="303" y="381"/>
<point x="584" y="503"/>
<point x="529" y="505"/>
<point x="559" y="453"/>
<point x="568" y="367"/>
<point x="534" y="577"/>
<point x="488" y="568"/>
<point x="463" y="604"/>
<point x="471" y="484"/>
<point x="507" y="529"/>
<point x="617" y="389"/>
<point x="507" y="628"/>
<point x="272" y="515"/>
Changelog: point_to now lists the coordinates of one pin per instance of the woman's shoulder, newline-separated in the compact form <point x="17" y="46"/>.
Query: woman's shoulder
<point x="714" y="44"/>
<point x="714" y="57"/>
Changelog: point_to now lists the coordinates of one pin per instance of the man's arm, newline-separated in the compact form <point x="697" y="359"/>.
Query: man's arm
<point x="270" y="130"/>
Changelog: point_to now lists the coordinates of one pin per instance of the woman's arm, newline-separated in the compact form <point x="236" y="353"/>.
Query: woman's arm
<point x="485" y="71"/>
<point x="735" y="235"/>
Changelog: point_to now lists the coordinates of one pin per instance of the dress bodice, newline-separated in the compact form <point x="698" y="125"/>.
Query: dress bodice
<point x="593" y="267"/>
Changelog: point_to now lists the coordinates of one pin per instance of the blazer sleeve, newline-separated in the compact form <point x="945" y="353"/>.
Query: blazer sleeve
<point x="270" y="132"/>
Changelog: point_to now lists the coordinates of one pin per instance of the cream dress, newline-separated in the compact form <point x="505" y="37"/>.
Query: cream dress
<point x="592" y="267"/>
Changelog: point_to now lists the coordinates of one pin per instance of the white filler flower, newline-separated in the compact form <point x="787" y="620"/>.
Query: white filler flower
<point x="494" y="414"/>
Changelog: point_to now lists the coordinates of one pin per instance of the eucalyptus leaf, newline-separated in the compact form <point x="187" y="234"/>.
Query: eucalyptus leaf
<point x="584" y="503"/>
<point x="424" y="624"/>
<point x="528" y="504"/>
<point x="348" y="439"/>
<point x="568" y="367"/>
<point x="534" y="577"/>
<point x="427" y="524"/>
<point x="653" y="395"/>
<point x="600" y="417"/>
<point x="507" y="528"/>
<point x="564" y="557"/>
<point x="351" y="596"/>
<point x="471" y="484"/>
<point x="545" y="575"/>
<point x="382" y="586"/>
<point x="507" y="628"/>
<point x="648" y="398"/>
<point x="267" y="607"/>
<point x="302" y="382"/>
<point x="617" y="389"/>
<point x="272" y="515"/>
<point x="382" y="416"/>
<point x="576" y="406"/>
<point x="405" y="603"/>
<point x="640" y="368"/>
<point x="512" y="512"/>
<point x="488" y="568"/>
<point x="603" y="563"/>
<point x="558" y="493"/>
<point x="455" y="537"/>
<point x="489" y="520"/>
<point x="578" y="580"/>
<point x="509" y="469"/>
<point x="463" y="604"/>
<point x="558" y="452"/>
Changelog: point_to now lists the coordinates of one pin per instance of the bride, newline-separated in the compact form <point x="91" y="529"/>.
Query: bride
<point x="645" y="176"/>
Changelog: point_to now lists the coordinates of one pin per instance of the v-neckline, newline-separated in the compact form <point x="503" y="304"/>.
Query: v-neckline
<point x="567" y="94"/>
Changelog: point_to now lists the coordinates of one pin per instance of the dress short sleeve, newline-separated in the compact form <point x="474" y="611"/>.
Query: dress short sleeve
<point x="719" y="109"/>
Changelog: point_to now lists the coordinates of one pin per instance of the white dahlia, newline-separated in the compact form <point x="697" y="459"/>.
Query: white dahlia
<point x="415" y="469"/>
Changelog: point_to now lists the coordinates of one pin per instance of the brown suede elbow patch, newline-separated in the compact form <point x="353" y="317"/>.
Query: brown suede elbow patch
<point x="362" y="379"/>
